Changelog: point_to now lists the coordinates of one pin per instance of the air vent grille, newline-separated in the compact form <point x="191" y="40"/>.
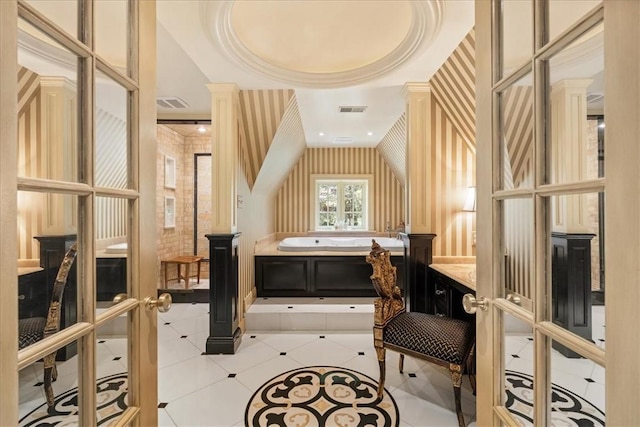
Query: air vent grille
<point x="342" y="140"/>
<point x="352" y="108"/>
<point x="171" y="102"/>
<point x="594" y="97"/>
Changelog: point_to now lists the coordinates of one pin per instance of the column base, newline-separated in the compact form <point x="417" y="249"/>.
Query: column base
<point x="224" y="345"/>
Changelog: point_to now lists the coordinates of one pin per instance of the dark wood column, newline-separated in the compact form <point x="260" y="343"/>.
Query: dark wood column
<point x="418" y="253"/>
<point x="571" y="285"/>
<point x="224" y="332"/>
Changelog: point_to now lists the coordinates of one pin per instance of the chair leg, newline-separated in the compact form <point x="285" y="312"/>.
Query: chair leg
<point x="472" y="381"/>
<point x="381" y="353"/>
<point x="401" y="363"/>
<point x="50" y="375"/>
<point x="456" y="378"/>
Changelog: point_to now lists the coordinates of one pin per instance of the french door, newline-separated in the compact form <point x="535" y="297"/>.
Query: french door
<point x="77" y="108"/>
<point x="543" y="68"/>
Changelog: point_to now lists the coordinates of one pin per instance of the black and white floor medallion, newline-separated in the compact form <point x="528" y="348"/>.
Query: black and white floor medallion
<point x="111" y="403"/>
<point x="567" y="408"/>
<point x="321" y="396"/>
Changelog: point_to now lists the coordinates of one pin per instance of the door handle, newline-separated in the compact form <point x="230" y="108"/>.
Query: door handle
<point x="163" y="303"/>
<point x="514" y="299"/>
<point x="471" y="304"/>
<point x="119" y="298"/>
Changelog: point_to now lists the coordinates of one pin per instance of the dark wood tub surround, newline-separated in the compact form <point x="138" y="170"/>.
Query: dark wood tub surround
<point x="317" y="276"/>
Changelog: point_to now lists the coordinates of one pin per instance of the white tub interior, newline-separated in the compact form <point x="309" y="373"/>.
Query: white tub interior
<point x="337" y="244"/>
<point x="118" y="248"/>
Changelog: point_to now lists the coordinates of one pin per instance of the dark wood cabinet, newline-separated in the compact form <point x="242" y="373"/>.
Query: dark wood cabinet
<point x="444" y="297"/>
<point x="111" y="278"/>
<point x="323" y="276"/>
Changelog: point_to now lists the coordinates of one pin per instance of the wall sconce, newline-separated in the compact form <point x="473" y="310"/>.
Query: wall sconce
<point x="470" y="200"/>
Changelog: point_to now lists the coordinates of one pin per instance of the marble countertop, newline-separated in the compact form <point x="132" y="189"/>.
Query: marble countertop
<point x="461" y="273"/>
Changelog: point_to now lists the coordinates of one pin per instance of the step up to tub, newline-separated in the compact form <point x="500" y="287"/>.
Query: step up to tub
<point x="310" y="314"/>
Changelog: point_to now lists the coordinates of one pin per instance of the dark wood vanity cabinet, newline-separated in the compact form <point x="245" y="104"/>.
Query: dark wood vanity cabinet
<point x="444" y="297"/>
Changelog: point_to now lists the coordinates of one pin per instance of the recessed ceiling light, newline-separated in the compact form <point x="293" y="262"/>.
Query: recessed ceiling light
<point x="369" y="133"/>
<point x="321" y="133"/>
<point x="202" y="129"/>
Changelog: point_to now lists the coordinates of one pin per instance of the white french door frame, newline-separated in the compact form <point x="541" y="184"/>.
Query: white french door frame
<point x="622" y="215"/>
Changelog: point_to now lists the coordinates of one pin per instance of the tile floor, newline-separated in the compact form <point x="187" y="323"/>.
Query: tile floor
<point x="212" y="390"/>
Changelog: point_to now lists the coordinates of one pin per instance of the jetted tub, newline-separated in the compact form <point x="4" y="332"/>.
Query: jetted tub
<point x="337" y="244"/>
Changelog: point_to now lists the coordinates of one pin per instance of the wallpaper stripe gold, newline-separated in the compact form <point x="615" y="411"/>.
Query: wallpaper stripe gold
<point x="393" y="148"/>
<point x="260" y="114"/>
<point x="453" y="85"/>
<point x="293" y="202"/>
<point x="518" y="130"/>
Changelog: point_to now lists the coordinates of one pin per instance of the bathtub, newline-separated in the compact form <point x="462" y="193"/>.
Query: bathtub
<point x="118" y="248"/>
<point x="337" y="244"/>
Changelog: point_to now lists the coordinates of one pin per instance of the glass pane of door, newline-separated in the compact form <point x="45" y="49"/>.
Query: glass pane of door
<point x="34" y="409"/>
<point x="47" y="107"/>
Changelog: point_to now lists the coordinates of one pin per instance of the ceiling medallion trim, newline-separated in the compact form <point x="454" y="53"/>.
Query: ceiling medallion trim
<point x="426" y="19"/>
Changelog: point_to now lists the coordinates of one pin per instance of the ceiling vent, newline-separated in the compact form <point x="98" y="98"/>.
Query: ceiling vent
<point x="172" y="102"/>
<point x="594" y="97"/>
<point x="342" y="140"/>
<point x="352" y="109"/>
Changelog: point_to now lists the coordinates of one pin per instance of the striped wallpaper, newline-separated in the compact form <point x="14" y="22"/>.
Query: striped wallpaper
<point x="452" y="172"/>
<point x="259" y="116"/>
<point x="286" y="149"/>
<point x="518" y="133"/>
<point x="393" y="148"/>
<point x="293" y="211"/>
<point x="454" y="86"/>
<point x="518" y="244"/>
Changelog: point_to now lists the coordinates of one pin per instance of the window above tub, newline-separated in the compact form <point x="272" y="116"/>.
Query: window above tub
<point x="341" y="202"/>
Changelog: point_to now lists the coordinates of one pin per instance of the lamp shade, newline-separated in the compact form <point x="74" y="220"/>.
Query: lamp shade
<point x="470" y="200"/>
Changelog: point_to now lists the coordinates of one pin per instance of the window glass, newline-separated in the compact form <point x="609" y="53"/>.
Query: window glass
<point x="341" y="205"/>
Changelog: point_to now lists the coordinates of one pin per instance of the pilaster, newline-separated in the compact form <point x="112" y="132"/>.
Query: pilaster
<point x="418" y="157"/>
<point x="59" y="147"/>
<point x="569" y="151"/>
<point x="224" y="156"/>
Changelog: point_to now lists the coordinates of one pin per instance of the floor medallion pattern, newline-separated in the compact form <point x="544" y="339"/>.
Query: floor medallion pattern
<point x="321" y="396"/>
<point x="567" y="408"/>
<point x="111" y="403"/>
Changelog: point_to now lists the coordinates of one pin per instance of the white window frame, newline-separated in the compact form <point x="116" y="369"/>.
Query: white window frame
<point x="341" y="180"/>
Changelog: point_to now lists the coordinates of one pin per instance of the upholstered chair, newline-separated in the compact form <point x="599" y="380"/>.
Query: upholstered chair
<point x="440" y="340"/>
<point x="34" y="329"/>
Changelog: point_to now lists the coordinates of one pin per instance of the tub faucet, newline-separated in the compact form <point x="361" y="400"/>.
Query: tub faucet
<point x="388" y="229"/>
<point x="400" y="228"/>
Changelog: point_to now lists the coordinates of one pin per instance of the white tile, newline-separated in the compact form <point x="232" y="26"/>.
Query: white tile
<point x="174" y="351"/>
<point x="598" y="374"/>
<point x="575" y="366"/>
<point x="189" y="325"/>
<point x="262" y="321"/>
<point x="30" y="397"/>
<point x="371" y="368"/>
<point x="284" y="341"/>
<point x="573" y="383"/>
<point x="253" y="378"/>
<point x="183" y="311"/>
<point x="322" y="352"/>
<point x="193" y="375"/>
<point x="349" y="321"/>
<point x="436" y="395"/>
<point x="358" y="341"/>
<point x="419" y="412"/>
<point x="117" y="346"/>
<point x="303" y="321"/>
<point x="595" y="395"/>
<point x="524" y="366"/>
<point x="164" y="419"/>
<point x="219" y="405"/>
<point x="251" y="352"/>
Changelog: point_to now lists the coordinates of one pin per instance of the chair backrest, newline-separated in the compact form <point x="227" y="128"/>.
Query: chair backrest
<point x="53" y="316"/>
<point x="383" y="278"/>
